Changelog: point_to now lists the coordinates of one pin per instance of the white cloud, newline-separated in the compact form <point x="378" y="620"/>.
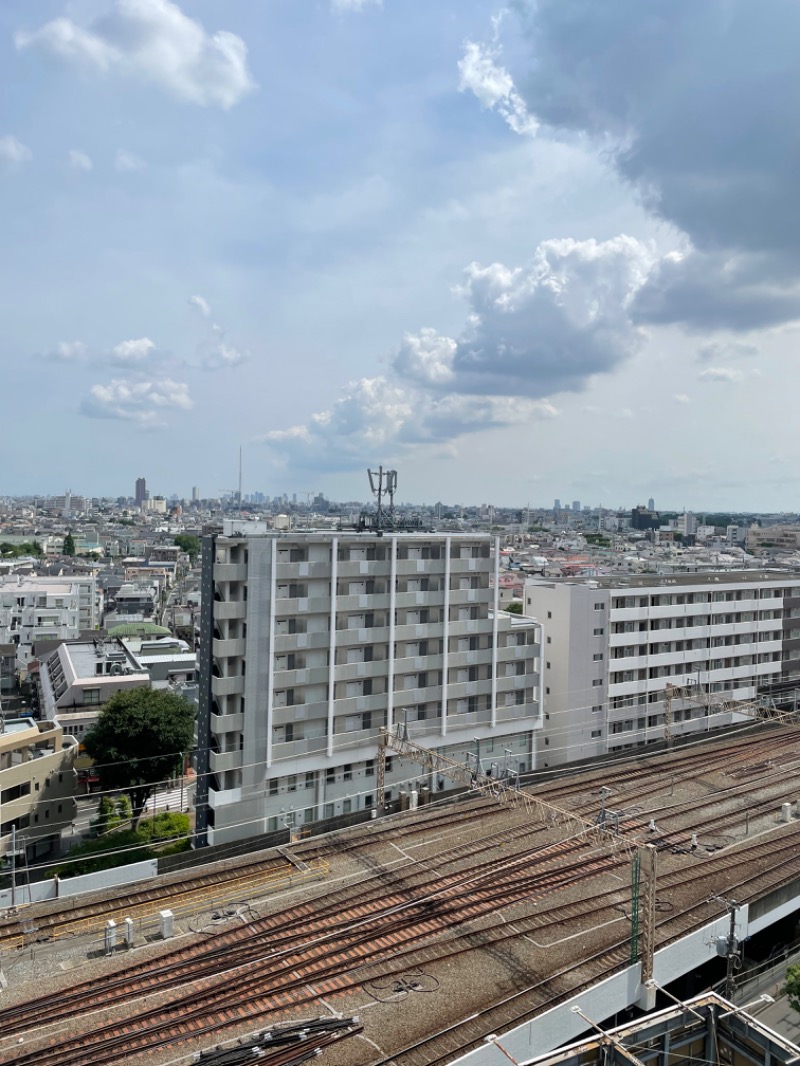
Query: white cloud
<point x="127" y="162"/>
<point x="201" y="305"/>
<point x="354" y="5"/>
<point x="223" y="355"/>
<point x="69" y="352"/>
<point x="143" y="402"/>
<point x="540" y="329"/>
<point x="681" y="397"/>
<point x="721" y="374"/>
<point x="494" y="87"/>
<point x="79" y="161"/>
<point x="14" y="151"/>
<point x="426" y="357"/>
<point x="133" y="351"/>
<point x="152" y="41"/>
<point x="378" y="416"/>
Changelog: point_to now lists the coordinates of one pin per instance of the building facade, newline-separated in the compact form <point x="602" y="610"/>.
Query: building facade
<point x="613" y="645"/>
<point x="37" y="786"/>
<point x="45" y="608"/>
<point x="311" y="642"/>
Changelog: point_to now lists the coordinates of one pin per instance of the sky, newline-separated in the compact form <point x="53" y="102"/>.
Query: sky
<point x="547" y="249"/>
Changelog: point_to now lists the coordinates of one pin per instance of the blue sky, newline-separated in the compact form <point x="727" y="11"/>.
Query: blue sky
<point x="517" y="253"/>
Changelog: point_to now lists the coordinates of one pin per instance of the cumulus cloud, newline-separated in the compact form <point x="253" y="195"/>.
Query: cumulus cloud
<point x="481" y="74"/>
<point x="200" y="304"/>
<point x="14" y="151"/>
<point x="133" y="351"/>
<point x="539" y="329"/>
<point x="721" y="375"/>
<point x="530" y="332"/>
<point x="152" y="41"/>
<point x="142" y="402"/>
<point x="68" y="352"/>
<point x="380" y="416"/>
<point x="681" y="398"/>
<point x="695" y="102"/>
<point x="79" y="161"/>
<point x="127" y="163"/>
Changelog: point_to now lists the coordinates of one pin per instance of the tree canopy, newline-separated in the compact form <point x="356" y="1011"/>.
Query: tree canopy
<point x="792" y="986"/>
<point x="189" y="544"/>
<point x="69" y="545"/>
<point x="137" y="742"/>
<point x="27" y="547"/>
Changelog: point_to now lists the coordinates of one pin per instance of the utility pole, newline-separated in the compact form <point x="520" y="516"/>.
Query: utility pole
<point x="733" y="952"/>
<point x="668" y="716"/>
<point x="13" y="867"/>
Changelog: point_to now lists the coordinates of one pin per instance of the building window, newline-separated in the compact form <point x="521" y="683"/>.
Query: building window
<point x="599" y="606"/>
<point x="549" y="614"/>
<point x="369" y="768"/>
<point x="547" y="665"/>
<point x="291" y="783"/>
<point x="597" y="657"/>
<point x="549" y="640"/>
<point x="91" y="697"/>
<point x="598" y="681"/>
<point x="330" y="775"/>
<point x="597" y="733"/>
<point x="347" y="775"/>
<point x="599" y="632"/>
<point x="273" y="786"/>
<point x="310" y="779"/>
<point x="597" y="709"/>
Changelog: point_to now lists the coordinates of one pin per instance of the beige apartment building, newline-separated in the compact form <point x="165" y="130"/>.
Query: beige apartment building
<point x="37" y="786"/>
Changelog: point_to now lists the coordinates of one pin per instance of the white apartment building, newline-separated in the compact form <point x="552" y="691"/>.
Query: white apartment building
<point x="76" y="680"/>
<point x="45" y="608"/>
<point x="613" y="645"/>
<point x="311" y="642"/>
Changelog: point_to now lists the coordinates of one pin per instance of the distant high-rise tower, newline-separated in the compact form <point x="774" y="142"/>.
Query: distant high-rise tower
<point x="576" y="505"/>
<point x="557" y="505"/>
<point x="141" y="491"/>
<point x="651" y="504"/>
<point x="195" y="494"/>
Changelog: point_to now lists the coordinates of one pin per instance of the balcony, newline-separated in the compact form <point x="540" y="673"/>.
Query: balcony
<point x="226" y="610"/>
<point x="224" y="649"/>
<point x="227" y="686"/>
<point x="529" y="712"/>
<point x="220" y="798"/>
<point x="292" y="571"/>
<point x="364" y="601"/>
<point x="286" y="642"/>
<point x="230" y="572"/>
<point x="295" y="748"/>
<point x="219" y="762"/>
<point x="227" y="723"/>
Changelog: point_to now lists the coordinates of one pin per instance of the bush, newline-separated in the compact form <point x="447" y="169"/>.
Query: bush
<point x="163" y="826"/>
<point x="126" y="846"/>
<point x="106" y="853"/>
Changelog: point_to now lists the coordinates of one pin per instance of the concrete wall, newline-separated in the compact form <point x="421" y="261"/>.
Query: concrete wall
<point x="40" y="891"/>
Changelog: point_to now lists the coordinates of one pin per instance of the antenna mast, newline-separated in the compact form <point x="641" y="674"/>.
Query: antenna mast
<point x="383" y="483"/>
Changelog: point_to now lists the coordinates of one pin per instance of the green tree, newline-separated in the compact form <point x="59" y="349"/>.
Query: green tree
<point x="69" y="544"/>
<point x="515" y="607"/>
<point x="189" y="544"/>
<point x="792" y="986"/>
<point x="138" y="740"/>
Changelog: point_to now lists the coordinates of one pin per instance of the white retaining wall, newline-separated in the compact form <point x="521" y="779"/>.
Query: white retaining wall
<point x="40" y="891"/>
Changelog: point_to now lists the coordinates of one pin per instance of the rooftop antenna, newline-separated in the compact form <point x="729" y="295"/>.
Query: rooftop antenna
<point x="383" y="483"/>
<point x="240" y="481"/>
